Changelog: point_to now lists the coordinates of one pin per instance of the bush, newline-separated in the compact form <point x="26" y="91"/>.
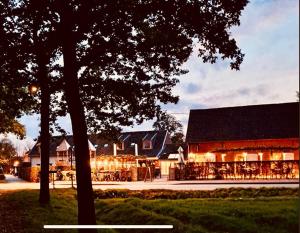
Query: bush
<point x="217" y="193"/>
<point x="2" y="177"/>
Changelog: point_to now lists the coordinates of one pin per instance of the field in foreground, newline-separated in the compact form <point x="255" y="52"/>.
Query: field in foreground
<point x="20" y="212"/>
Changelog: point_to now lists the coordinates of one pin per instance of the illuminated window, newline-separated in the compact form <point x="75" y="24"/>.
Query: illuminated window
<point x="210" y="157"/>
<point x="288" y="156"/>
<point x="276" y="156"/>
<point x="223" y="157"/>
<point x="252" y="157"/>
<point x="120" y="146"/>
<point x="240" y="157"/>
<point x="147" y="144"/>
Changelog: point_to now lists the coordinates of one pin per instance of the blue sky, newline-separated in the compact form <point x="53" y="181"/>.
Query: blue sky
<point x="269" y="37"/>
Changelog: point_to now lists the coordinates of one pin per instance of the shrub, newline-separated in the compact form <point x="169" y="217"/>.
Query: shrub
<point x="2" y="177"/>
<point x="217" y="193"/>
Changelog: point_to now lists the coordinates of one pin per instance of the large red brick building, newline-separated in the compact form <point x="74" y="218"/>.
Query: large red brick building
<point x="252" y="135"/>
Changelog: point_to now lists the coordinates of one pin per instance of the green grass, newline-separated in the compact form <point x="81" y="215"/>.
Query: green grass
<point x="21" y="212"/>
<point x="184" y="194"/>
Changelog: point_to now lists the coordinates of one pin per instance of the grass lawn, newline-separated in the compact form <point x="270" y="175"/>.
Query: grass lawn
<point x="20" y="212"/>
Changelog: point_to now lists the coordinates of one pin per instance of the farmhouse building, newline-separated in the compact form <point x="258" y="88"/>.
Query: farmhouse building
<point x="257" y="135"/>
<point x="148" y="144"/>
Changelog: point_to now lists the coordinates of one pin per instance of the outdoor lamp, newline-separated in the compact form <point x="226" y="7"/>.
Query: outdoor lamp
<point x="16" y="163"/>
<point x="33" y="88"/>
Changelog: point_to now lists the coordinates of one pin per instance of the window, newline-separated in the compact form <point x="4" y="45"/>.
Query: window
<point x="193" y="148"/>
<point x="252" y="157"/>
<point x="147" y="144"/>
<point x="210" y="157"/>
<point x="120" y="146"/>
<point x="276" y="156"/>
<point x="288" y="156"/>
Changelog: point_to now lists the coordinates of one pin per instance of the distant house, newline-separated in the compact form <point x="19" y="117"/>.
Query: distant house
<point x="151" y="144"/>
<point x="61" y="150"/>
<point x="147" y="143"/>
<point x="267" y="132"/>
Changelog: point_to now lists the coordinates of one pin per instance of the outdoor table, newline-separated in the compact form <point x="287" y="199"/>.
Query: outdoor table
<point x="105" y="175"/>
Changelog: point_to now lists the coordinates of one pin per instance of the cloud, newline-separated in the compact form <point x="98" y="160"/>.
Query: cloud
<point x="192" y="88"/>
<point x="244" y="91"/>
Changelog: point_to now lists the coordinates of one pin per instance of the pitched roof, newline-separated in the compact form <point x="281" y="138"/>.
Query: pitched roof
<point x="268" y="121"/>
<point x="104" y="146"/>
<point x="63" y="146"/>
<point x="173" y="149"/>
<point x="158" y="138"/>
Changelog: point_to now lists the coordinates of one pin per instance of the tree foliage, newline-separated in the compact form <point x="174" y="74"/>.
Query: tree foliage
<point x="121" y="59"/>
<point x="7" y="151"/>
<point x="14" y="96"/>
<point x="129" y="53"/>
<point x="165" y="121"/>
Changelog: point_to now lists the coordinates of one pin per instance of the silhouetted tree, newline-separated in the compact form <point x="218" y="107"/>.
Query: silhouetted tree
<point x="29" y="51"/>
<point x="165" y="121"/>
<point x="14" y="98"/>
<point x="121" y="60"/>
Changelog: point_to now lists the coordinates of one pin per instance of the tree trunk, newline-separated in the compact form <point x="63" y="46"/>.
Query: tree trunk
<point x="45" y="136"/>
<point x="86" y="208"/>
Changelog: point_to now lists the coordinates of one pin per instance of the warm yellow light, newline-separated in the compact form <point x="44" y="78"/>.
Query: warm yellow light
<point x="93" y="164"/>
<point x="191" y="156"/>
<point x="33" y="89"/>
<point x="245" y="156"/>
<point x="16" y="163"/>
<point x="223" y="157"/>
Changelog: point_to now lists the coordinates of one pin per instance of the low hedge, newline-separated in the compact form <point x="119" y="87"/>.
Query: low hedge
<point x="217" y="193"/>
<point x="2" y="177"/>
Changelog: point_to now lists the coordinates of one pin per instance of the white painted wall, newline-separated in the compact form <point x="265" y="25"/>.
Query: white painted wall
<point x="36" y="161"/>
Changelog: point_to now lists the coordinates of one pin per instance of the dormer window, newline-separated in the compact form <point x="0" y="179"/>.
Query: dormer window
<point x="120" y="146"/>
<point x="147" y="144"/>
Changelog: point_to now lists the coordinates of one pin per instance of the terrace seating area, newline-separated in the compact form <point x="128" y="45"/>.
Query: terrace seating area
<point x="118" y="175"/>
<point x="236" y="170"/>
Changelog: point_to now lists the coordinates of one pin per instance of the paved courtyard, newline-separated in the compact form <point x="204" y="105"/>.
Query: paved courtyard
<point x="13" y="183"/>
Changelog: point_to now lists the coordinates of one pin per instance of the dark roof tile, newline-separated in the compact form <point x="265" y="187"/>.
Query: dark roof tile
<point x="269" y="121"/>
